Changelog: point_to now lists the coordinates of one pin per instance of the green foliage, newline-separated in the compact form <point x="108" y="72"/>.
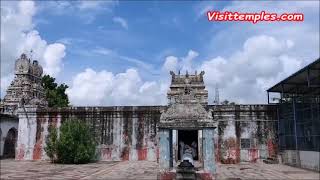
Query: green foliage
<point x="55" y="95"/>
<point x="76" y="145"/>
<point x="51" y="141"/>
<point x="226" y="102"/>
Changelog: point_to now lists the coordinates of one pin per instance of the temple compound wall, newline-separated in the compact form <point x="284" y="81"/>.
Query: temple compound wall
<point x="243" y="133"/>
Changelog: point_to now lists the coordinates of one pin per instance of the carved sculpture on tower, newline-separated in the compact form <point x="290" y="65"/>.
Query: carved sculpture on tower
<point x="188" y="99"/>
<point x="187" y="83"/>
<point x="26" y="88"/>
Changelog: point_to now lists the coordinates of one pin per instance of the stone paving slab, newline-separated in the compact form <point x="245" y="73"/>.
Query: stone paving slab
<point x="11" y="169"/>
<point x="263" y="171"/>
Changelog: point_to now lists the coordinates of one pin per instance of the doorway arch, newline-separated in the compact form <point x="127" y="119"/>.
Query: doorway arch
<point x="10" y="143"/>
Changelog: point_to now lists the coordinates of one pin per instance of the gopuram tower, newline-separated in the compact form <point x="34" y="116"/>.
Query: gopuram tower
<point x="26" y="88"/>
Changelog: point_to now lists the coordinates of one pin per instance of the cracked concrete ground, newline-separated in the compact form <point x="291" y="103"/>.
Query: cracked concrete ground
<point x="11" y="169"/>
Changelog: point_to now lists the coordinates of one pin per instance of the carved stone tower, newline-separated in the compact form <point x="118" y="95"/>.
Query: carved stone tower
<point x="187" y="83"/>
<point x="26" y="86"/>
<point x="186" y="120"/>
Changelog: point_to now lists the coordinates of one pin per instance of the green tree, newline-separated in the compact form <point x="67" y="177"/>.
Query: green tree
<point x="75" y="145"/>
<point x="226" y="102"/>
<point x="51" y="144"/>
<point x="55" y="94"/>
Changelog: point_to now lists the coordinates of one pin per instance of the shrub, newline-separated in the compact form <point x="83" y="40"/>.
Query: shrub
<point x="51" y="148"/>
<point x="75" y="145"/>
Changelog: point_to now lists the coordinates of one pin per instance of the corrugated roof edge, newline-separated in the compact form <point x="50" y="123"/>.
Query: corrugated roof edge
<point x="294" y="74"/>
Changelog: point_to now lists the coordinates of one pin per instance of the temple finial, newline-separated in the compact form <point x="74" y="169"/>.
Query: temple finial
<point x="31" y="54"/>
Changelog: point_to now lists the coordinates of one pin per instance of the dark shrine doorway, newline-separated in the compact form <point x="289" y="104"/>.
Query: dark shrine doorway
<point x="190" y="138"/>
<point x="10" y="143"/>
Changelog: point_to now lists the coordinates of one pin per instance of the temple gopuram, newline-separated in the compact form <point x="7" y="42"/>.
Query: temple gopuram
<point x="26" y="88"/>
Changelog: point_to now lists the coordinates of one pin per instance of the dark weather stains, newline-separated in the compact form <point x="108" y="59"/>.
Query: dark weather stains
<point x="125" y="153"/>
<point x="271" y="148"/>
<point x="37" y="150"/>
<point x="257" y="120"/>
<point x="127" y="128"/>
<point x="253" y="155"/>
<point x="115" y="130"/>
<point x="109" y="129"/>
<point x="20" y="152"/>
<point x="140" y="131"/>
<point x="102" y="126"/>
<point x="142" y="154"/>
<point x="238" y="133"/>
<point x="106" y="153"/>
<point x="221" y="127"/>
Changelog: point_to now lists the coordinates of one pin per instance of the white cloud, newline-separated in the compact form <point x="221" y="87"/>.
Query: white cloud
<point x="94" y="4"/>
<point x="89" y="4"/>
<point x="115" y="55"/>
<point x="170" y="64"/>
<point x="182" y="64"/>
<point x="90" y="87"/>
<point x="5" y="82"/>
<point x="66" y="41"/>
<point x="64" y="7"/>
<point x="105" y="88"/>
<point x="86" y="10"/>
<point x="243" y="76"/>
<point x="53" y="56"/>
<point x="202" y="9"/>
<point x="139" y="63"/>
<point x="270" y="52"/>
<point x="247" y="73"/>
<point x="304" y="35"/>
<point x="186" y="64"/>
<point x="18" y="35"/>
<point x="260" y="56"/>
<point x="102" y="51"/>
<point x="121" y="21"/>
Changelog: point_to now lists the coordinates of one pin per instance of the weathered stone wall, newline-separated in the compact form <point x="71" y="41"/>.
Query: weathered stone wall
<point x="245" y="132"/>
<point x="130" y="133"/>
<point x="123" y="133"/>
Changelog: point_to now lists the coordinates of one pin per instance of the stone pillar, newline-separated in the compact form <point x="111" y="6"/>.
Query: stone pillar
<point x="26" y="133"/>
<point x="208" y="151"/>
<point x="164" y="152"/>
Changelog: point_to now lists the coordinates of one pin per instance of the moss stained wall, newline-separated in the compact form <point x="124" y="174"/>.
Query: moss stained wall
<point x="122" y="133"/>
<point x="130" y="132"/>
<point x="256" y="124"/>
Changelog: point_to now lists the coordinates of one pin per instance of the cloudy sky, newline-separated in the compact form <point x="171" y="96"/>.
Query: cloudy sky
<point x="119" y="53"/>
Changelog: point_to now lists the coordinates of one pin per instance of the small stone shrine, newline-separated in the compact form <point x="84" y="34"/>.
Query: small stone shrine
<point x="186" y="121"/>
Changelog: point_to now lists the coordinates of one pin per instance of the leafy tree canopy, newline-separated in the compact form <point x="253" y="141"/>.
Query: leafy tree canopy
<point x="55" y="94"/>
<point x="75" y="145"/>
<point x="226" y="102"/>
